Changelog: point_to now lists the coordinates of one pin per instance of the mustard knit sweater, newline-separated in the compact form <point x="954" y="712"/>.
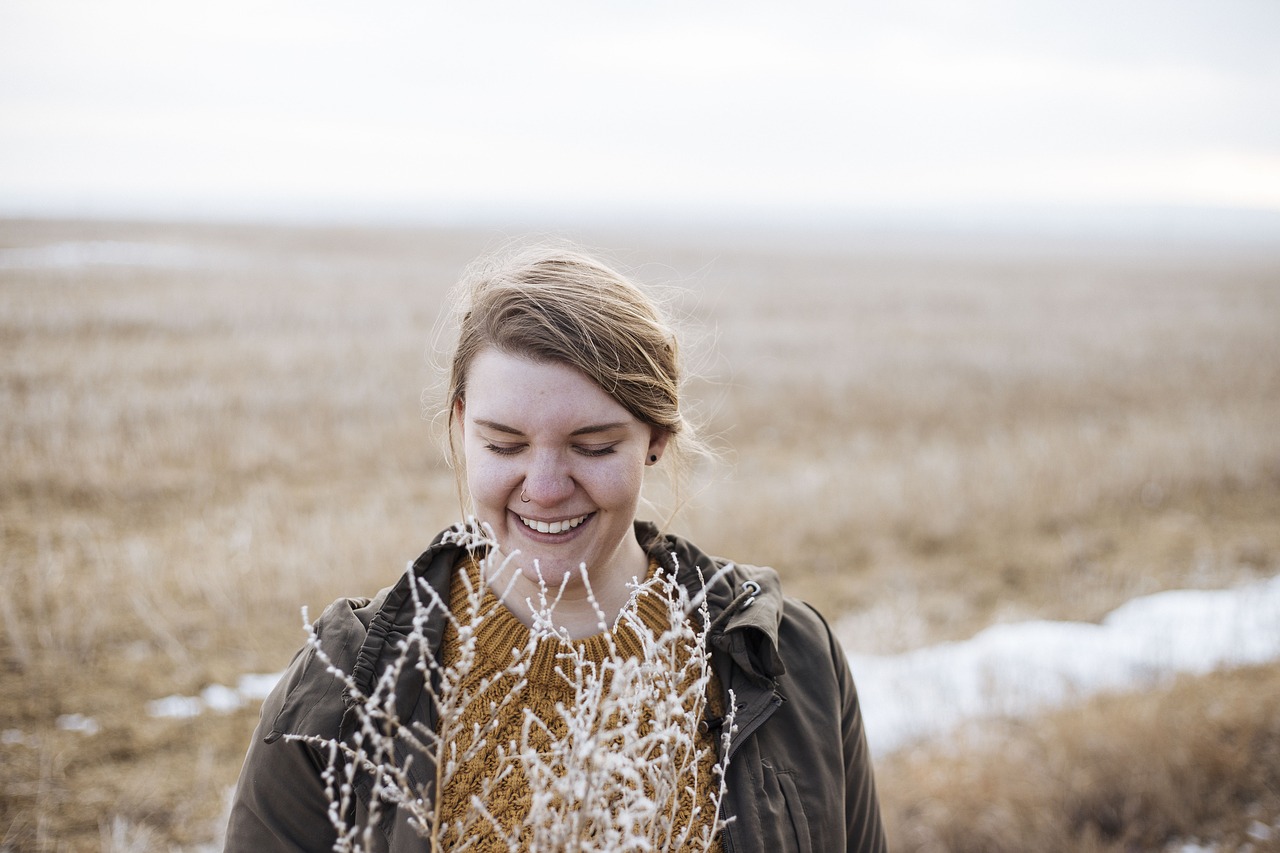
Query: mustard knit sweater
<point x="508" y="801"/>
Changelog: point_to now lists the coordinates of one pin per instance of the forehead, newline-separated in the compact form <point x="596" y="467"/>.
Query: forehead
<point x="524" y="393"/>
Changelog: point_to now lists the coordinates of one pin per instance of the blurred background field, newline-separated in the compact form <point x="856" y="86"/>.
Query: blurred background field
<point x="206" y="428"/>
<point x="981" y="302"/>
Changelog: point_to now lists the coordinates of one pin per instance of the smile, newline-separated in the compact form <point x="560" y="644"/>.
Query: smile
<point x="553" y="526"/>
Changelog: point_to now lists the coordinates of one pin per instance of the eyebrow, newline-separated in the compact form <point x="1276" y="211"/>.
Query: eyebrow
<point x="586" y="430"/>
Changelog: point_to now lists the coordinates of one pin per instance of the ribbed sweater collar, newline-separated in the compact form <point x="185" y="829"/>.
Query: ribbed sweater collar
<point x="498" y="631"/>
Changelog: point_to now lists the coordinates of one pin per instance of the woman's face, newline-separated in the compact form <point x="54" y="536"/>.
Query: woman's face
<point x="544" y="430"/>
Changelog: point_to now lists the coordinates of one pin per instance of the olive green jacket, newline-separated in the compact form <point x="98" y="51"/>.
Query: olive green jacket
<point x="799" y="776"/>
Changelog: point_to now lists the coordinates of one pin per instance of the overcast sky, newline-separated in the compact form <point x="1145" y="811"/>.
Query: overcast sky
<point x="383" y="108"/>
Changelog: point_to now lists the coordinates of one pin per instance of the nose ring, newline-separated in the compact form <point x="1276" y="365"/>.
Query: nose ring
<point x="523" y="499"/>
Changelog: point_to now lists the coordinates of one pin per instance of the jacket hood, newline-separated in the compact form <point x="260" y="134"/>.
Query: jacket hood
<point x="745" y="602"/>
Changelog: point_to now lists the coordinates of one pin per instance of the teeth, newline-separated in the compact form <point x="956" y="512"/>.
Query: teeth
<point x="553" y="526"/>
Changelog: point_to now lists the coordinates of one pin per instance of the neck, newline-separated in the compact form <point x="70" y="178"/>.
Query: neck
<point x="573" y="611"/>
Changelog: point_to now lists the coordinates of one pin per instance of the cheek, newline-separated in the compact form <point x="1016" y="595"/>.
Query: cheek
<point x="487" y="478"/>
<point x="620" y="485"/>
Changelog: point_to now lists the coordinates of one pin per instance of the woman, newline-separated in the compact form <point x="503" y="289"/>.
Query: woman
<point x="564" y="388"/>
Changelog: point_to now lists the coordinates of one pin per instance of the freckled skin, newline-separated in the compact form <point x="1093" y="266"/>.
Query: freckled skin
<point x="544" y="429"/>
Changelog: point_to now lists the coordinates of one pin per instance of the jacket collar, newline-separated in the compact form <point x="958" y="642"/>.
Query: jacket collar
<point x="745" y="625"/>
<point x="745" y="602"/>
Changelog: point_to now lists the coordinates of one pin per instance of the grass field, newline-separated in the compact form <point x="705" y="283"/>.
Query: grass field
<point x="925" y="438"/>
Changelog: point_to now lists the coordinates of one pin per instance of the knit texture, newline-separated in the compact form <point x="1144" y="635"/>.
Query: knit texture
<point x="508" y="798"/>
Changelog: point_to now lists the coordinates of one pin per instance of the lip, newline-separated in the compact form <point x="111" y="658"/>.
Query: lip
<point x="561" y="536"/>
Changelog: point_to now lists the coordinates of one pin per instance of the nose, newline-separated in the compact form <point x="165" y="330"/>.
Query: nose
<point x="548" y="480"/>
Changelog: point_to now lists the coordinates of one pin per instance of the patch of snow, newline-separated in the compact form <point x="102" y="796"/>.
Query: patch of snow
<point x="216" y="697"/>
<point x="13" y="737"/>
<point x="77" y="723"/>
<point x="1020" y="668"/>
<point x="1006" y="670"/>
<point x="176" y="707"/>
<point x="257" y="686"/>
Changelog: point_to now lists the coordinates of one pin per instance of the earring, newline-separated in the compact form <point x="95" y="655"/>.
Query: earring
<point x="653" y="458"/>
<point x="523" y="498"/>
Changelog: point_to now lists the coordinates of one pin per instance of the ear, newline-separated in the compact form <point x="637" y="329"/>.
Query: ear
<point x="459" y="413"/>
<point x="657" y="445"/>
<point x="455" y="435"/>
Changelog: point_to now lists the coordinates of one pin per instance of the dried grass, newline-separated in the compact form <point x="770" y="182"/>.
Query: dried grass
<point x="927" y="442"/>
<point x="1199" y="759"/>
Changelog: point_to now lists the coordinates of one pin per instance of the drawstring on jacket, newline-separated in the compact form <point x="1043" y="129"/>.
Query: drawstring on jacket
<point x="744" y="599"/>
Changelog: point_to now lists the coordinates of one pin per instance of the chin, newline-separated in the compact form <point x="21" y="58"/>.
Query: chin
<point x="553" y="574"/>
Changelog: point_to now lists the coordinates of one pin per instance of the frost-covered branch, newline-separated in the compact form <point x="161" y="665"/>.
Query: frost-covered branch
<point x="618" y="763"/>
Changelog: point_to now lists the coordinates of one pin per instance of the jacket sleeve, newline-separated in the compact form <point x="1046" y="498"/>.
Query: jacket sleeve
<point x="280" y="802"/>
<point x="864" y="825"/>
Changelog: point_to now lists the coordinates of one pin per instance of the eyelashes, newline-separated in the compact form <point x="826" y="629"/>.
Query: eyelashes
<point x="598" y="451"/>
<point x="513" y="449"/>
<point x="503" y="450"/>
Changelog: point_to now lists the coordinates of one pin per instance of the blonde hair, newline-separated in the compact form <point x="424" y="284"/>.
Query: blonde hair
<point x="557" y="304"/>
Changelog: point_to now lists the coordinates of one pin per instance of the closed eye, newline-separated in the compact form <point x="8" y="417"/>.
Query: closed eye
<point x="596" y="451"/>
<point x="503" y="449"/>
